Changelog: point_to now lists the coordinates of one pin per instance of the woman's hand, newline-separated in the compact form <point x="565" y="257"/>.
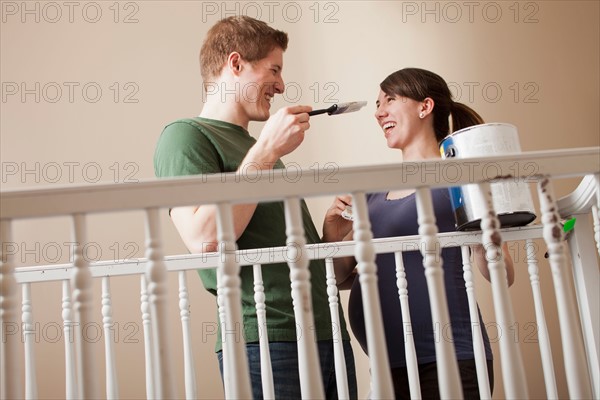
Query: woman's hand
<point x="336" y="227"/>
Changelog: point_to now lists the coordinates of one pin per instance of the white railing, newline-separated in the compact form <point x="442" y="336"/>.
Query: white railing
<point x="580" y="341"/>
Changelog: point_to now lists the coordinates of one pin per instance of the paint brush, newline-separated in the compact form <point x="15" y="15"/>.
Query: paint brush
<point x="340" y="108"/>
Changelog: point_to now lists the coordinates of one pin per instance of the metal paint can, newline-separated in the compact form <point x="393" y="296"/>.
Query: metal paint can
<point x="512" y="199"/>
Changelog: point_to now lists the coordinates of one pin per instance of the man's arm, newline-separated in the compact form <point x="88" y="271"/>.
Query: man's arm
<point x="197" y="225"/>
<point x="282" y="134"/>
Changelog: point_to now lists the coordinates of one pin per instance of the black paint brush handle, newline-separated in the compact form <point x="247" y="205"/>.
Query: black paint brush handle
<point x="324" y="110"/>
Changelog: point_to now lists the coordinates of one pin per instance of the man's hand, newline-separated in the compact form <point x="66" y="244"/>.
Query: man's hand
<point x="283" y="132"/>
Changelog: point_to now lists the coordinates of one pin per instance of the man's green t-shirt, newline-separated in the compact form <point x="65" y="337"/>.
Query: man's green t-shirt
<point x="206" y="146"/>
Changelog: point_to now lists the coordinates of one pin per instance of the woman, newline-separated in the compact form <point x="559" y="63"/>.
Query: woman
<point x="414" y="107"/>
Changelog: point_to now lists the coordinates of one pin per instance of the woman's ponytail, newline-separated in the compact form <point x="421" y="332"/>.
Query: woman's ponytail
<point x="463" y="116"/>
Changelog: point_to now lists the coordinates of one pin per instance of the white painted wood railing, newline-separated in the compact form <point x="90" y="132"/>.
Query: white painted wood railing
<point x="580" y="341"/>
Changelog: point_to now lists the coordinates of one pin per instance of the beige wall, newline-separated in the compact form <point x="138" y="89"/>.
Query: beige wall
<point x="533" y="64"/>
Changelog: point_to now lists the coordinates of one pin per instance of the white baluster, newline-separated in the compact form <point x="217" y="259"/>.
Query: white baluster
<point x="69" y="334"/>
<point x="478" y="346"/>
<point x="10" y="364"/>
<point x="112" y="387"/>
<point x="596" y="214"/>
<point x="513" y="372"/>
<point x="596" y="219"/>
<point x="148" y="346"/>
<point x="156" y="274"/>
<point x="543" y="337"/>
<point x="29" y="340"/>
<point x="584" y="262"/>
<point x="266" y="370"/>
<point x="412" y="367"/>
<point x="235" y="359"/>
<point x="188" y="354"/>
<point x="227" y="383"/>
<point x="338" y="344"/>
<point x="382" y="387"/>
<point x="593" y="360"/>
<point x="82" y="305"/>
<point x="311" y="383"/>
<point x="578" y="378"/>
<point x="447" y="366"/>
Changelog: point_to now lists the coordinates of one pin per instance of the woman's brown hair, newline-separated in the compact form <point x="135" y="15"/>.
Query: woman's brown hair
<point x="419" y="84"/>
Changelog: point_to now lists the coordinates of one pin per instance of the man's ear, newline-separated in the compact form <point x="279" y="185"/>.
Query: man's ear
<point x="234" y="63"/>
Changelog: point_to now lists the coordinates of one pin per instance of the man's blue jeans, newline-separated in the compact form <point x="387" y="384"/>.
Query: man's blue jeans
<point x="284" y="362"/>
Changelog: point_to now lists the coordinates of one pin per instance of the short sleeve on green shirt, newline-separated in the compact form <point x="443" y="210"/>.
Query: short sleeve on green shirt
<point x="183" y="149"/>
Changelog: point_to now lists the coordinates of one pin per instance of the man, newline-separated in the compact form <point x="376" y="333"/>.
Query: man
<point x="243" y="58"/>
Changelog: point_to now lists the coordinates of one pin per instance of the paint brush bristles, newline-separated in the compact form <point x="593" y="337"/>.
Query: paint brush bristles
<point x="340" y="108"/>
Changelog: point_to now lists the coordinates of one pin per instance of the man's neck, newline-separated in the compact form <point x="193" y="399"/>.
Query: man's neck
<point x="216" y="108"/>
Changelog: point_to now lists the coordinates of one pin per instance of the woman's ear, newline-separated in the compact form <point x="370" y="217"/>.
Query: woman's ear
<point x="427" y="106"/>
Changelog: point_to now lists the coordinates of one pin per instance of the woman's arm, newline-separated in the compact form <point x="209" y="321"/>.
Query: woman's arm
<point x="481" y="261"/>
<point x="347" y="284"/>
<point x="337" y="229"/>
